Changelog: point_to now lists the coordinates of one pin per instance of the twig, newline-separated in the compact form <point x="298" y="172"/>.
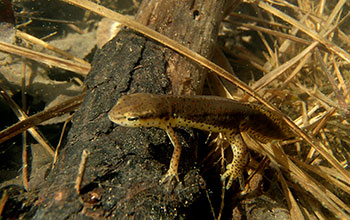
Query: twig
<point x="25" y="172"/>
<point x="81" y="170"/>
<point x="36" y="119"/>
<point x="24" y="134"/>
<point x="60" y="141"/>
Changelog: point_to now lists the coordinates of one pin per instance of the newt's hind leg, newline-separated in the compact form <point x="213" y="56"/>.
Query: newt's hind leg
<point x="239" y="161"/>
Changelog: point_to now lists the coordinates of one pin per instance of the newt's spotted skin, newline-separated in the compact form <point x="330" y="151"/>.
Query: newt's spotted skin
<point x="208" y="113"/>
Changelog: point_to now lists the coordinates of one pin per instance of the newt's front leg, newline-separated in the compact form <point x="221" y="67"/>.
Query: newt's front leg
<point x="239" y="161"/>
<point x="174" y="162"/>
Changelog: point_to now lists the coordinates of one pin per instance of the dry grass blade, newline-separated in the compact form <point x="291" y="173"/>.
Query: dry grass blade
<point x="210" y="65"/>
<point x="296" y="70"/>
<point x="339" y="96"/>
<point x="339" y="76"/>
<point x="316" y="36"/>
<point x="79" y="68"/>
<point x="277" y="155"/>
<point x="315" y="93"/>
<point x="303" y="56"/>
<point x="246" y="17"/>
<point x="294" y="208"/>
<point x="271" y="32"/>
<point x="38" y="41"/>
<point x="246" y="55"/>
<point x="287" y="43"/>
<point x="323" y="120"/>
<point x="331" y="177"/>
<point x="62" y="108"/>
<point x="23" y="116"/>
<point x="265" y="80"/>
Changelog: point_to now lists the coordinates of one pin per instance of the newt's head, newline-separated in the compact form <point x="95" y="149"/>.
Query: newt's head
<point x="140" y="110"/>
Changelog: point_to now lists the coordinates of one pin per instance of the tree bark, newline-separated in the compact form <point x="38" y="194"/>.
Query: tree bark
<point x="194" y="24"/>
<point x="125" y="165"/>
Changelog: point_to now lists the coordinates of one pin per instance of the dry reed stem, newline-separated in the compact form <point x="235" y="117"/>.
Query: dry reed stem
<point x="49" y="60"/>
<point x="29" y="122"/>
<point x="22" y="116"/>
<point x="42" y="43"/>
<point x="330" y="176"/>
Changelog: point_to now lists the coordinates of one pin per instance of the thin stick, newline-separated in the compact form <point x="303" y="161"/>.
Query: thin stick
<point x="25" y="161"/>
<point x="60" y="141"/>
<point x="210" y="204"/>
<point x="81" y="170"/>
<point x="24" y="135"/>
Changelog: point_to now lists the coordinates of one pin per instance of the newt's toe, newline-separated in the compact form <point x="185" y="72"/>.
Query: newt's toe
<point x="233" y="172"/>
<point x="169" y="176"/>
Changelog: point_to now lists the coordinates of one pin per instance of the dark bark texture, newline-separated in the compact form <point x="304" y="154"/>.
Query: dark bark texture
<point x="125" y="165"/>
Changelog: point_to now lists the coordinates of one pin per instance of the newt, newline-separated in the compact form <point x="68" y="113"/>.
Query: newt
<point x="207" y="113"/>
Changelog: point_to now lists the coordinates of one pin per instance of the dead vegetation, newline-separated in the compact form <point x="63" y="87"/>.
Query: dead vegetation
<point x="293" y="56"/>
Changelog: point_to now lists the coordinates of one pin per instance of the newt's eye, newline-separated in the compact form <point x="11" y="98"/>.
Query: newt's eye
<point x="133" y="118"/>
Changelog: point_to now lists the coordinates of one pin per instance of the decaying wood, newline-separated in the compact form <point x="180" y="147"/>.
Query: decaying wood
<point x="195" y="25"/>
<point x="125" y="164"/>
